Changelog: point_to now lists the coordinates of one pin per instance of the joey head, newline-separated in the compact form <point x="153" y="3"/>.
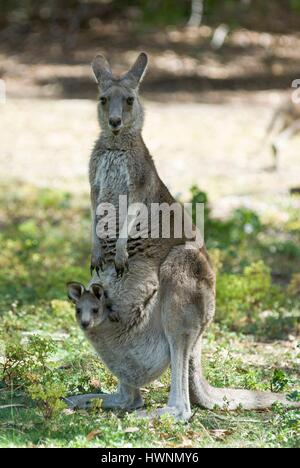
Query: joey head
<point x="92" y="307"/>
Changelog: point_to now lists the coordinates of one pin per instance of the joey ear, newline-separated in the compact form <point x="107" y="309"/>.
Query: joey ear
<point x="136" y="73"/>
<point x="97" y="290"/>
<point x="75" y="291"/>
<point x="101" y="69"/>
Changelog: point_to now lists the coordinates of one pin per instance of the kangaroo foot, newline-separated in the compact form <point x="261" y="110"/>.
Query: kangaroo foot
<point x="178" y="413"/>
<point x="109" y="401"/>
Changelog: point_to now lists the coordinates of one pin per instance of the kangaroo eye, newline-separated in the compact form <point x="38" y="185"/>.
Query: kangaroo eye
<point x="95" y="311"/>
<point x="130" y="100"/>
<point x="78" y="310"/>
<point x="103" y="100"/>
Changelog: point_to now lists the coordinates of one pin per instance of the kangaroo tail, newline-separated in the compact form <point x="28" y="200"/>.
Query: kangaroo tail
<point x="203" y="394"/>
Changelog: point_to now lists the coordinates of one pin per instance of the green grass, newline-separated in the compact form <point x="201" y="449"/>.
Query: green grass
<point x="44" y="242"/>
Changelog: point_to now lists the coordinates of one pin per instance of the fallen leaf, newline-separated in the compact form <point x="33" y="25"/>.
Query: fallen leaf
<point x="194" y="435"/>
<point x="95" y="383"/>
<point x="221" y="434"/>
<point x="93" y="434"/>
<point x="68" y="411"/>
<point x="186" y="443"/>
<point x="170" y="445"/>
<point x="130" y="430"/>
<point x="157" y="384"/>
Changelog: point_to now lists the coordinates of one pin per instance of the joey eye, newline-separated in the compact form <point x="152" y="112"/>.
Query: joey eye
<point x="95" y="311"/>
<point x="130" y="100"/>
<point x="78" y="310"/>
<point x="103" y="100"/>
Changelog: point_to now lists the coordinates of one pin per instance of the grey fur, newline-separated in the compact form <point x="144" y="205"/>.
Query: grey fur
<point x="102" y="71"/>
<point x="167" y="298"/>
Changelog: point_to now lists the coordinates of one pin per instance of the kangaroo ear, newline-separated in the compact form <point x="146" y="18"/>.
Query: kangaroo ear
<point x="75" y="291"/>
<point x="97" y="290"/>
<point x="137" y="71"/>
<point x="101" y="69"/>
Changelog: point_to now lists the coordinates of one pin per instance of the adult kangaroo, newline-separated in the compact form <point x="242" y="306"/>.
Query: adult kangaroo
<point x="164" y="292"/>
<point x="283" y="126"/>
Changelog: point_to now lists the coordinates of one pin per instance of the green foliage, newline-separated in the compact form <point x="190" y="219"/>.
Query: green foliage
<point x="279" y="381"/>
<point x="242" y="227"/>
<point x="287" y="426"/>
<point x="44" y="242"/>
<point x="240" y="298"/>
<point x="295" y="5"/>
<point x="294" y="396"/>
<point x="30" y="368"/>
<point x="33" y="234"/>
<point x="244" y="251"/>
<point x="163" y="11"/>
<point x="154" y="12"/>
<point x="294" y="286"/>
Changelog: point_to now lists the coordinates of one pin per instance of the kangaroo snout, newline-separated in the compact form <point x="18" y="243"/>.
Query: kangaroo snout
<point x="85" y="324"/>
<point x="115" y="123"/>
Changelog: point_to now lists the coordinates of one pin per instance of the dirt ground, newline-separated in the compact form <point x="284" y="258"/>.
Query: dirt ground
<point x="206" y="110"/>
<point x="47" y="143"/>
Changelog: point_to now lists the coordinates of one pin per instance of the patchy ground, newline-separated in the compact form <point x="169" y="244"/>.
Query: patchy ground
<point x="44" y="243"/>
<point x="48" y="142"/>
<point x="207" y="109"/>
<point x="206" y="113"/>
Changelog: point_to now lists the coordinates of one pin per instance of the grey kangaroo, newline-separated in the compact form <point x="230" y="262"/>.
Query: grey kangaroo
<point x="164" y="292"/>
<point x="284" y="124"/>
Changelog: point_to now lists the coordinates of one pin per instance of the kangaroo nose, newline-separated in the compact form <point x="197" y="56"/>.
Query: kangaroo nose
<point x="85" y="325"/>
<point x="115" y="122"/>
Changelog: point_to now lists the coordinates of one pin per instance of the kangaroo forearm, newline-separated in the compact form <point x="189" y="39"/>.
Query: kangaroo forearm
<point x="95" y="238"/>
<point x="94" y="197"/>
<point x="135" y="200"/>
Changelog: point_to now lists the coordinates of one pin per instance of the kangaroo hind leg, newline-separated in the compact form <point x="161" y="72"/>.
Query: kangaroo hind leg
<point x="187" y="306"/>
<point x="127" y="398"/>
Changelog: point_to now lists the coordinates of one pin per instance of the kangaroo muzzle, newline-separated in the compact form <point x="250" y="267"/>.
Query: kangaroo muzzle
<point x="115" y="124"/>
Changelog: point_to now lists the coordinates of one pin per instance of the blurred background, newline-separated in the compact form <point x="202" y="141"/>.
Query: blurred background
<point x="218" y="73"/>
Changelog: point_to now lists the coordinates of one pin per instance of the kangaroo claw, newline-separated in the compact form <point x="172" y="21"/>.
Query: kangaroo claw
<point x="97" y="266"/>
<point x="121" y="268"/>
<point x="120" y="272"/>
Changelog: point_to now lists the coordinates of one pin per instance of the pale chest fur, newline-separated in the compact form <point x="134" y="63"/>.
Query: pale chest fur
<point x="112" y="176"/>
<point x="138" y="359"/>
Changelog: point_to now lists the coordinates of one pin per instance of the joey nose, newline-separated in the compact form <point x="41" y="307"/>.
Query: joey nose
<point x="85" y="325"/>
<point x="115" y="122"/>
